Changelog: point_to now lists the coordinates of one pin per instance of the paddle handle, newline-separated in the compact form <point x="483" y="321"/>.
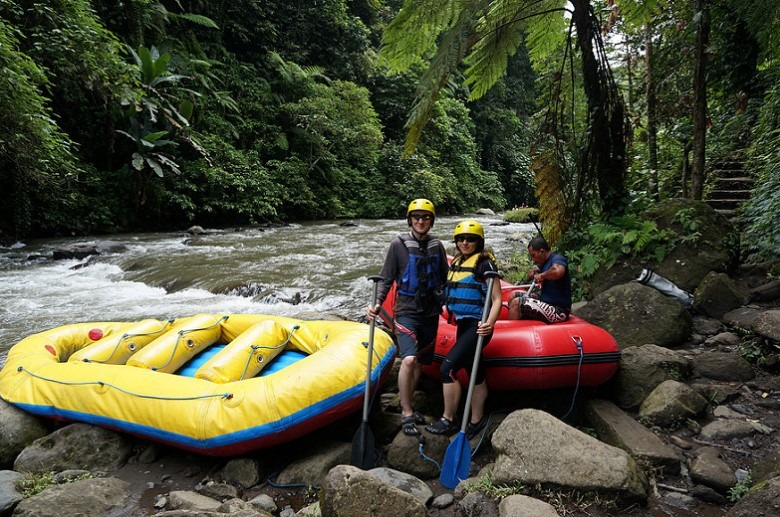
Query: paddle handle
<point x="491" y="276"/>
<point x="371" y="327"/>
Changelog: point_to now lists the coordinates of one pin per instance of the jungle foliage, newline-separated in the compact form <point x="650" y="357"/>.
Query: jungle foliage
<point x="156" y="114"/>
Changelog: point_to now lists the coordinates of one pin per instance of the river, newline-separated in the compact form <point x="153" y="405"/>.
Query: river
<point x="287" y="270"/>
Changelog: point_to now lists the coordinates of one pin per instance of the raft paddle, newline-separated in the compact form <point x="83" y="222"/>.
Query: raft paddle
<point x="363" y="450"/>
<point x="457" y="458"/>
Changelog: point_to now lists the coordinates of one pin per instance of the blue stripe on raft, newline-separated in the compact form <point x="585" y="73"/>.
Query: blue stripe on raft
<point x="285" y="424"/>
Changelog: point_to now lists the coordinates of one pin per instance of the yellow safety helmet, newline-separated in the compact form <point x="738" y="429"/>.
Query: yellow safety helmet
<point x="471" y="228"/>
<point x="421" y="204"/>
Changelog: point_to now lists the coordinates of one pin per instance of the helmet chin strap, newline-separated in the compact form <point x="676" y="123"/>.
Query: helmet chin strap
<point x="417" y="235"/>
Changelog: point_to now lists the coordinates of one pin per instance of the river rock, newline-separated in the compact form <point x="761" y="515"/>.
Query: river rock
<point x="710" y="470"/>
<point x="637" y="315"/>
<point x="18" y="429"/>
<point x="716" y="295"/>
<point x="723" y="366"/>
<point x="9" y="495"/>
<point x="642" y="369"/>
<point x="523" y="505"/>
<point x="768" y="324"/>
<point x="75" y="446"/>
<point x="670" y="404"/>
<point x="534" y="447"/>
<point x="96" y="497"/>
<point x="617" y="428"/>
<point x="763" y="500"/>
<point x="312" y="469"/>
<point x="348" y="491"/>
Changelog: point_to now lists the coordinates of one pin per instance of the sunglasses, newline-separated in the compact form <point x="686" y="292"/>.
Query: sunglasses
<point x="421" y="217"/>
<point x="467" y="238"/>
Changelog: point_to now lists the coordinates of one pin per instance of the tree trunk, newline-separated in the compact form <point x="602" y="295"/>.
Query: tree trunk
<point x="700" y="98"/>
<point x="605" y="158"/>
<point x="652" y="108"/>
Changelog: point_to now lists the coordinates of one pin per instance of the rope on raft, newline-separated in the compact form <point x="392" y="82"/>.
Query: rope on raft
<point x="181" y="334"/>
<point x="125" y="336"/>
<point x="134" y="394"/>
<point x="258" y="347"/>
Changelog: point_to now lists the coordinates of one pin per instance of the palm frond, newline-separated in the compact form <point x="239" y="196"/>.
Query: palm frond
<point x="452" y="50"/>
<point x="500" y="33"/>
<point x="414" y="30"/>
<point x="547" y="32"/>
<point x="550" y="190"/>
<point x="638" y="13"/>
<point x="198" y="19"/>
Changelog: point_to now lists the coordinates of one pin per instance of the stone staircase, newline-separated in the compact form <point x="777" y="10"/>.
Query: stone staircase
<point x="731" y="187"/>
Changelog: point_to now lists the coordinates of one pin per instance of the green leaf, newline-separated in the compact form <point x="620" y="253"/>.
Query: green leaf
<point x="151" y="137"/>
<point x="155" y="165"/>
<point x="138" y="161"/>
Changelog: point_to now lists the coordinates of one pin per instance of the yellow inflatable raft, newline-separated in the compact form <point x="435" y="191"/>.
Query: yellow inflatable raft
<point x="214" y="384"/>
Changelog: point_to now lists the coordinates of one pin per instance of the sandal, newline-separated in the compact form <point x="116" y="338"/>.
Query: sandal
<point x="407" y="425"/>
<point x="442" y="426"/>
<point x="473" y="429"/>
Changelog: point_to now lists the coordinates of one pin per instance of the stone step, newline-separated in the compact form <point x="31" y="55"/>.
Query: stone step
<point x="619" y="429"/>
<point x="729" y="194"/>
<point x="739" y="183"/>
<point x="725" y="204"/>
<point x="728" y="165"/>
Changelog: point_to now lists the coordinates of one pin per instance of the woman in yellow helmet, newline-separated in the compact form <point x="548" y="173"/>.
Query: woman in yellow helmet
<point x="417" y="263"/>
<point x="466" y="292"/>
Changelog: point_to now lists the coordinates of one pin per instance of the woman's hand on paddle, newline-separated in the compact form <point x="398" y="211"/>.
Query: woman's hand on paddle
<point x="485" y="329"/>
<point x="373" y="312"/>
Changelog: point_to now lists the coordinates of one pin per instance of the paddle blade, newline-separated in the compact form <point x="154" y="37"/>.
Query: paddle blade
<point x="457" y="462"/>
<point x="363" y="449"/>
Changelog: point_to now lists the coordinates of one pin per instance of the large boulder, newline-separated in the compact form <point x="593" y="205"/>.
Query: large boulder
<point x="533" y="447"/>
<point x="670" y="404"/>
<point x="18" y="429"/>
<point x="95" y="497"/>
<point x="638" y="315"/>
<point x="348" y="491"/>
<point x="716" y="295"/>
<point x="642" y="369"/>
<point x="715" y="248"/>
<point x="76" y="446"/>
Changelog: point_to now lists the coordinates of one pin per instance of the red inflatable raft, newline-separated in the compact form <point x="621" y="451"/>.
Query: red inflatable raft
<point x="531" y="355"/>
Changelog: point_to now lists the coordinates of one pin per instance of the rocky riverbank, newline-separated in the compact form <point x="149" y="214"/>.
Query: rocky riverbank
<point x="688" y="426"/>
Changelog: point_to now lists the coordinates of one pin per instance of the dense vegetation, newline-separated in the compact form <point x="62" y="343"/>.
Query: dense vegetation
<point x="156" y="114"/>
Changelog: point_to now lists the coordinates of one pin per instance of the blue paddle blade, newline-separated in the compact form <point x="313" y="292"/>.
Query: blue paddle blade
<point x="457" y="462"/>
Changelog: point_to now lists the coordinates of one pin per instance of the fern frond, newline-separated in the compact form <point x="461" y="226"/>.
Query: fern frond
<point x="500" y="33"/>
<point x="547" y="32"/>
<point x="550" y="188"/>
<point x="452" y="49"/>
<point x="414" y="30"/>
<point x="203" y="21"/>
<point x="638" y="13"/>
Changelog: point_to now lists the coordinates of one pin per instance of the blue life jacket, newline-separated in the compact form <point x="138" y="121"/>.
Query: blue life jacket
<point x="422" y="272"/>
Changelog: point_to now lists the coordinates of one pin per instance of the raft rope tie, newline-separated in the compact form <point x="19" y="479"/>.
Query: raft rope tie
<point x="421" y="450"/>
<point x="253" y="348"/>
<point x="134" y="394"/>
<point x="123" y="337"/>
<point x="178" y="339"/>
<point x="578" y="342"/>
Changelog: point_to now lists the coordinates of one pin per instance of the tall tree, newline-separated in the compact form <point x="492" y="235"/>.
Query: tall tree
<point x="702" y="18"/>
<point x="483" y="34"/>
